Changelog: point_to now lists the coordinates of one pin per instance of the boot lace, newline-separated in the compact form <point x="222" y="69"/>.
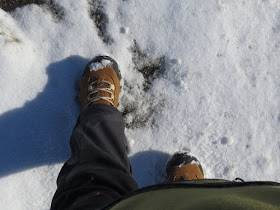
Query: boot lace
<point x="93" y="89"/>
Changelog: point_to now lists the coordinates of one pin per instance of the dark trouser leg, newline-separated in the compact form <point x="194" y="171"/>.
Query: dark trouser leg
<point x="98" y="171"/>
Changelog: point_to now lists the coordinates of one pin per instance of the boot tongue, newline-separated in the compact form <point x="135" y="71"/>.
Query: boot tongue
<point x="99" y="84"/>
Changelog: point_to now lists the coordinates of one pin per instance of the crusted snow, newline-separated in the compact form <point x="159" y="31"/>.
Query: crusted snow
<point x="194" y="162"/>
<point x="100" y="65"/>
<point x="219" y="95"/>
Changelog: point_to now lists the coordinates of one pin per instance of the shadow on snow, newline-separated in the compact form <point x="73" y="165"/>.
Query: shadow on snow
<point x="148" y="167"/>
<point x="38" y="133"/>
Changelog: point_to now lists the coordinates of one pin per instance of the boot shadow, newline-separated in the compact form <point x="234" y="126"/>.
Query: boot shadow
<point x="149" y="167"/>
<point x="38" y="133"/>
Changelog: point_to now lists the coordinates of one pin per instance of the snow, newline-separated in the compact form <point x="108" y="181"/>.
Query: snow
<point x="216" y="90"/>
<point x="100" y="65"/>
<point x="195" y="162"/>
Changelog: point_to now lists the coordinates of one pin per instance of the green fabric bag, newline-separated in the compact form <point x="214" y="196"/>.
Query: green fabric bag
<point x="204" y="194"/>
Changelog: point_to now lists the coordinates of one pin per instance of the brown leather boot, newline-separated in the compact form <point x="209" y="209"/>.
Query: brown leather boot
<point x="100" y="82"/>
<point x="183" y="166"/>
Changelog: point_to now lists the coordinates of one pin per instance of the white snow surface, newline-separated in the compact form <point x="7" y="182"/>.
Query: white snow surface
<point x="218" y="96"/>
